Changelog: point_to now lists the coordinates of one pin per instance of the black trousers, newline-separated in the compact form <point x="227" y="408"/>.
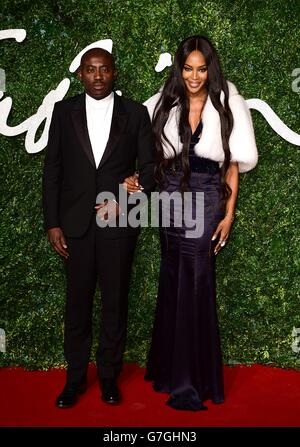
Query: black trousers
<point x="91" y="258"/>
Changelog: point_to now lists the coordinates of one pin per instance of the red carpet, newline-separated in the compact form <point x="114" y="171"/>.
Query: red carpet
<point x="255" y="396"/>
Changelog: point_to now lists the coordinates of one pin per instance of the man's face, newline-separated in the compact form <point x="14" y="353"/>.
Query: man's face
<point x="97" y="74"/>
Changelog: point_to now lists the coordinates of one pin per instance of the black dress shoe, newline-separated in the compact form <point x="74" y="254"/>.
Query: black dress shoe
<point x="110" y="391"/>
<point x="70" y="395"/>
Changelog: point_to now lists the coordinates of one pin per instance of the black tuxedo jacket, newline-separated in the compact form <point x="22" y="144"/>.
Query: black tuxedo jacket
<point x="71" y="181"/>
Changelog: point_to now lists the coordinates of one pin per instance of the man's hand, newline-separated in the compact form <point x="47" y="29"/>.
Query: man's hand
<point x="109" y="210"/>
<point x="57" y="240"/>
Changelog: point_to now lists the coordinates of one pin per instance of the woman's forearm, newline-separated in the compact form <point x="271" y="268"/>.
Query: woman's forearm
<point x="232" y="179"/>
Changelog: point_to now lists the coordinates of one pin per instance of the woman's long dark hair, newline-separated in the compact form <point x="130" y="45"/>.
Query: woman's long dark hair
<point x="174" y="93"/>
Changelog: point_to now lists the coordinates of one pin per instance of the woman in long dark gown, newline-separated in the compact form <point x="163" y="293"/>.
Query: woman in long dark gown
<point x="204" y="137"/>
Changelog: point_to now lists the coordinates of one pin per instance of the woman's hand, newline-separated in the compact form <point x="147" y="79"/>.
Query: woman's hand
<point x="223" y="230"/>
<point x="131" y="184"/>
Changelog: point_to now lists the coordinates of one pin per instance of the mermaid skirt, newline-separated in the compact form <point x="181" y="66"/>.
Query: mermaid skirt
<point x="185" y="356"/>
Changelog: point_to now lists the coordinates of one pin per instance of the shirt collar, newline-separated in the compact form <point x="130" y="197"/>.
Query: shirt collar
<point x="99" y="103"/>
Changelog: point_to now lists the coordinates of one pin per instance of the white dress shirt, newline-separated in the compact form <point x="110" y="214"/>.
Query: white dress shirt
<point x="99" y="115"/>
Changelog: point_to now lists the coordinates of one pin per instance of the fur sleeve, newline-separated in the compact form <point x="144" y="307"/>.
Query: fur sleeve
<point x="151" y="103"/>
<point x="242" y="139"/>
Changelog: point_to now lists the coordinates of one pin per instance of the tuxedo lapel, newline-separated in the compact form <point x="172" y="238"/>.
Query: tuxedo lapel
<point x="81" y="129"/>
<point x="118" y="123"/>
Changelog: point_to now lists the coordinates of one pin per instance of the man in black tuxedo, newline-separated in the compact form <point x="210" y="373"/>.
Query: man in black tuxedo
<point x="96" y="140"/>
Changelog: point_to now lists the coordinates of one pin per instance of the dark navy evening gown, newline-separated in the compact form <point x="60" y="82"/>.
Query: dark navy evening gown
<point x="185" y="355"/>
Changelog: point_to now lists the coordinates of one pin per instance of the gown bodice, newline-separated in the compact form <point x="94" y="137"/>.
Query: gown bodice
<point x="197" y="164"/>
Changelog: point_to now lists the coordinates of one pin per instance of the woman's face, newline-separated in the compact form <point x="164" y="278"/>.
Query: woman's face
<point x="195" y="73"/>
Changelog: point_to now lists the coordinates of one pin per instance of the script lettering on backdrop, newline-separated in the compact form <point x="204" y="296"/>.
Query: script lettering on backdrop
<point x="44" y="112"/>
